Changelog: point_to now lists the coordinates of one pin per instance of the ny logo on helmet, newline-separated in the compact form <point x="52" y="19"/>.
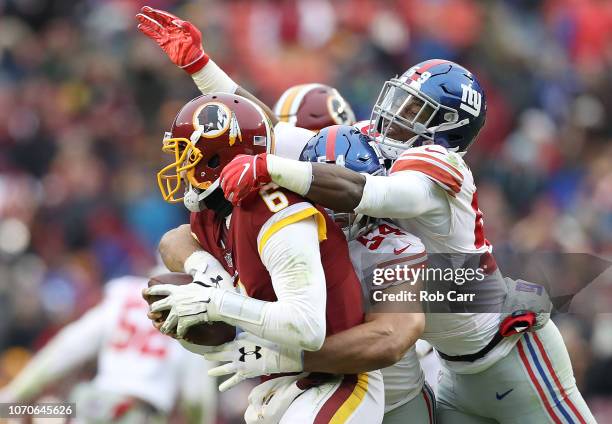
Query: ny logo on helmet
<point x="244" y="353"/>
<point x="471" y="100"/>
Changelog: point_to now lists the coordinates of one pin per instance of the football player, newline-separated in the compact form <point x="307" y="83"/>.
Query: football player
<point x="134" y="360"/>
<point x="314" y="107"/>
<point x="289" y="259"/>
<point x="372" y="244"/>
<point x="446" y="220"/>
<point x="424" y="121"/>
<point x="309" y="106"/>
<point x="300" y="110"/>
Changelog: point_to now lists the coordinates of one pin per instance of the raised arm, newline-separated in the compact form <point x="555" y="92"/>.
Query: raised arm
<point x="182" y="43"/>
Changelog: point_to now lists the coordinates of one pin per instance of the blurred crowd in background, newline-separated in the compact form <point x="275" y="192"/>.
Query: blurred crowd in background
<point x="85" y="99"/>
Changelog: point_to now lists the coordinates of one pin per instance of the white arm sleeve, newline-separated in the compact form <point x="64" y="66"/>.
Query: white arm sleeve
<point x="212" y="78"/>
<point x="297" y="318"/>
<point x="70" y="348"/>
<point x="290" y="140"/>
<point x="403" y="195"/>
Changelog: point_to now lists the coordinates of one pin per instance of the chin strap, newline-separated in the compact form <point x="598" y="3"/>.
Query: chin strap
<point x="212" y="198"/>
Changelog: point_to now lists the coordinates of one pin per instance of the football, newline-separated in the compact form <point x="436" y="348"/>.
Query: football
<point x="204" y="334"/>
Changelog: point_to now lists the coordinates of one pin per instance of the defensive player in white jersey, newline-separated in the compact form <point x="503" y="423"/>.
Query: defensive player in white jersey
<point x="425" y="120"/>
<point x="133" y="362"/>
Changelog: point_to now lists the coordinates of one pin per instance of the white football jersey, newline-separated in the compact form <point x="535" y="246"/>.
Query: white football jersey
<point x="134" y="358"/>
<point x="465" y="230"/>
<point x="458" y="231"/>
<point x="386" y="245"/>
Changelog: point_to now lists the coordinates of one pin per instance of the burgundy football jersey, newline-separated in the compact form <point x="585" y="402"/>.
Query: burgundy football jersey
<point x="237" y="249"/>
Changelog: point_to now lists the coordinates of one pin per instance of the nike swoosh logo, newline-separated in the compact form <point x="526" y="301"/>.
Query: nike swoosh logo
<point x="244" y="171"/>
<point x="503" y="395"/>
<point x="398" y="251"/>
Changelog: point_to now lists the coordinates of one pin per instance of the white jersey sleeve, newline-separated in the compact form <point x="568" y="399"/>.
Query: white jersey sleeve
<point x="298" y="279"/>
<point x="74" y="345"/>
<point x="289" y="140"/>
<point x="135" y="359"/>
<point x="384" y="246"/>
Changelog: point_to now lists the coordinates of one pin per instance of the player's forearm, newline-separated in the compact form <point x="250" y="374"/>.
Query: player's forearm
<point x="297" y="318"/>
<point x="405" y="196"/>
<point x="378" y="343"/>
<point x="292" y="322"/>
<point x="176" y="246"/>
<point x="331" y="186"/>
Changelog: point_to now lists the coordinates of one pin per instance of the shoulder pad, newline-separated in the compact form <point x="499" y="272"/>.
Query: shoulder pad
<point x="445" y="168"/>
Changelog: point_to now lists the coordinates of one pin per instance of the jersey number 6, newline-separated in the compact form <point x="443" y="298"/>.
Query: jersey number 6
<point x="275" y="200"/>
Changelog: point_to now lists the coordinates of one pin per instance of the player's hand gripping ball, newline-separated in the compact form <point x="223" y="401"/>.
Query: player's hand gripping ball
<point x="208" y="334"/>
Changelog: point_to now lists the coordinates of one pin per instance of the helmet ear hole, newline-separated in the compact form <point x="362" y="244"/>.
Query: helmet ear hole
<point x="214" y="162"/>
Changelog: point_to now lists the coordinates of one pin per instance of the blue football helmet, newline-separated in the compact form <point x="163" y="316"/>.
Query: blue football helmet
<point x="434" y="102"/>
<point x="346" y="146"/>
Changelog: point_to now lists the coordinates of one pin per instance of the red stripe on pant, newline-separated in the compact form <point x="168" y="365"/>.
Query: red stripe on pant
<point x="552" y="372"/>
<point x="335" y="401"/>
<point x="537" y="385"/>
<point x="428" y="402"/>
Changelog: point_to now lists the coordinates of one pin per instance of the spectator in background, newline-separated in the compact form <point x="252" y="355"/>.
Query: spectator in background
<point x="83" y="98"/>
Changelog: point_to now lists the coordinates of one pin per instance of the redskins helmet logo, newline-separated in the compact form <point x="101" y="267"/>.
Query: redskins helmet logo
<point x="339" y="110"/>
<point x="215" y="119"/>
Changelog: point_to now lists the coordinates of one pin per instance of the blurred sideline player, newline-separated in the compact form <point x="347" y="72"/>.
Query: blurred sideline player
<point x="424" y="121"/>
<point x="407" y="397"/>
<point x="141" y="374"/>
<point x="289" y="259"/>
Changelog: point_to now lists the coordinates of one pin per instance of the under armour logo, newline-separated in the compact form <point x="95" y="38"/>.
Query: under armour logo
<point x="244" y="353"/>
<point x="216" y="281"/>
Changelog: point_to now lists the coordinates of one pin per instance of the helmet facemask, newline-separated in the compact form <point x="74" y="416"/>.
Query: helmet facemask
<point x="181" y="172"/>
<point x="403" y="114"/>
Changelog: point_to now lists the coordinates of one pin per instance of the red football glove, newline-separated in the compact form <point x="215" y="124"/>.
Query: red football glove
<point x="181" y="41"/>
<point x="244" y="175"/>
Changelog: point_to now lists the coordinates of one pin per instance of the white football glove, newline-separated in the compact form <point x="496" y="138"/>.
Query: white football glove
<point x="189" y="305"/>
<point x="251" y="356"/>
<point x="269" y="401"/>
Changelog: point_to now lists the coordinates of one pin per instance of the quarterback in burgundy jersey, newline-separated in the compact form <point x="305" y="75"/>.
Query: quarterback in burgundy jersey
<point x="289" y="261"/>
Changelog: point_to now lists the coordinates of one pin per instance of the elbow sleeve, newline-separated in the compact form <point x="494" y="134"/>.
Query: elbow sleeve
<point x="293" y="259"/>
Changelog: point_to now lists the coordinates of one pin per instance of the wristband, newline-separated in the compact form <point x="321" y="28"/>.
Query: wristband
<point x="211" y="79"/>
<point x="291" y="174"/>
<point x="197" y="64"/>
